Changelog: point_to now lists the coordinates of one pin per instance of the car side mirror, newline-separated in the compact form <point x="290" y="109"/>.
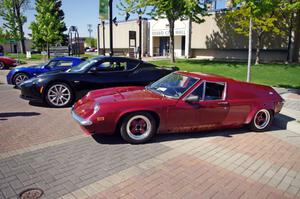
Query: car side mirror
<point x="94" y="70"/>
<point x="192" y="99"/>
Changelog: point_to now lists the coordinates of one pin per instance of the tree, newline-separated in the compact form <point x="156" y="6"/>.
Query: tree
<point x="264" y="17"/>
<point x="12" y="13"/>
<point x="172" y="10"/>
<point x="92" y="42"/>
<point x="291" y="15"/>
<point x="48" y="26"/>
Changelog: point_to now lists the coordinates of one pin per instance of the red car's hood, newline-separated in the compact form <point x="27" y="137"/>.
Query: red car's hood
<point x="85" y="106"/>
<point x="121" y="94"/>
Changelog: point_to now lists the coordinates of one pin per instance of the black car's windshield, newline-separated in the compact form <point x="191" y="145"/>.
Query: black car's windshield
<point x="173" y="85"/>
<point x="83" y="66"/>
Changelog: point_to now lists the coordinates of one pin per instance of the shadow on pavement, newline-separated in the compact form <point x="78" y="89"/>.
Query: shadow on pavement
<point x="227" y="133"/>
<point x="283" y="120"/>
<point x="43" y="105"/>
<point x="3" y="116"/>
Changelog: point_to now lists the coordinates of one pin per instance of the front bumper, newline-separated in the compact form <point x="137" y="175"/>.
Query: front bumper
<point x="31" y="93"/>
<point x="80" y="120"/>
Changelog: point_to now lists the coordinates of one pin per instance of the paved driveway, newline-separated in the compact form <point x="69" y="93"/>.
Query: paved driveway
<point x="44" y="148"/>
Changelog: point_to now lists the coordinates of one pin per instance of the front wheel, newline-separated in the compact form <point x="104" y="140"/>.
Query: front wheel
<point x="20" y="78"/>
<point x="138" y="127"/>
<point x="59" y="95"/>
<point x="2" y="65"/>
<point x="262" y="120"/>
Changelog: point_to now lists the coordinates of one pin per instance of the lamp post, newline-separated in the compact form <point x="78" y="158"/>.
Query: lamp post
<point x="111" y="53"/>
<point x="140" y="34"/>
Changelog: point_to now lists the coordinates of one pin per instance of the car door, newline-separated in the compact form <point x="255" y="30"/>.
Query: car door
<point x="104" y="74"/>
<point x="207" y="112"/>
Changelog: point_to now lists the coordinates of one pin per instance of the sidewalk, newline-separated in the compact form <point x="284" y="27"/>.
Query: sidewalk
<point x="289" y="117"/>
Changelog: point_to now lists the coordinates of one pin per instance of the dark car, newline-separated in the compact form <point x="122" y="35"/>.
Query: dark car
<point x="21" y="73"/>
<point x="59" y="89"/>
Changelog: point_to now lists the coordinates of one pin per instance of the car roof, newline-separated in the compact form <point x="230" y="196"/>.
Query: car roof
<point x="205" y="76"/>
<point x="117" y="58"/>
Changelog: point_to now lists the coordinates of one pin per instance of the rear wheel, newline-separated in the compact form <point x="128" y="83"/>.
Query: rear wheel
<point x="138" y="127"/>
<point x="262" y="120"/>
<point x="20" y="78"/>
<point x="59" y="95"/>
<point x="2" y="65"/>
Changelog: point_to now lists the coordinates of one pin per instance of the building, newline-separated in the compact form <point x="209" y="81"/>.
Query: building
<point x="212" y="39"/>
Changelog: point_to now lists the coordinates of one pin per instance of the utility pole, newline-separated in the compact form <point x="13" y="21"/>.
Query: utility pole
<point x="111" y="53"/>
<point x="249" y="50"/>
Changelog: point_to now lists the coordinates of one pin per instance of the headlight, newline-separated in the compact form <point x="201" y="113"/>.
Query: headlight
<point x="96" y="108"/>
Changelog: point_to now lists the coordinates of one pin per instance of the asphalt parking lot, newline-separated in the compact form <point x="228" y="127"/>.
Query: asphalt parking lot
<point x="44" y="148"/>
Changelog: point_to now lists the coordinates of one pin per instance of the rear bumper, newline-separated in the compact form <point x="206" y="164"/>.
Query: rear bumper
<point x="80" y="120"/>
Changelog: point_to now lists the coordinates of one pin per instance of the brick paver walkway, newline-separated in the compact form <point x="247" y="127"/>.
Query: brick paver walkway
<point x="44" y="148"/>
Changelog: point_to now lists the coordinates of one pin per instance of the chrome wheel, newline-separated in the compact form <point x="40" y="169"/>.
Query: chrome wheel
<point x="59" y="95"/>
<point x="262" y="119"/>
<point x="138" y="127"/>
<point x="20" y="78"/>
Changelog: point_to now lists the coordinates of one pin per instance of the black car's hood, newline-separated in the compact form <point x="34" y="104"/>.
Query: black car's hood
<point x="55" y="73"/>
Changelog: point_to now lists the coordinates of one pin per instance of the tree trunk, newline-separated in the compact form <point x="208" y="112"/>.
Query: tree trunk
<point x="258" y="45"/>
<point x="296" y="47"/>
<point x="48" y="50"/>
<point x="290" y="46"/>
<point x="249" y="51"/>
<point x="20" y="28"/>
<point x="171" y="26"/>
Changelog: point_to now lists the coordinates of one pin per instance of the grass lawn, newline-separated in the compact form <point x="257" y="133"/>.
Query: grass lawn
<point x="280" y="75"/>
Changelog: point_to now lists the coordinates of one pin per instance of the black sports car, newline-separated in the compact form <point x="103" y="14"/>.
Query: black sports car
<point x="59" y="89"/>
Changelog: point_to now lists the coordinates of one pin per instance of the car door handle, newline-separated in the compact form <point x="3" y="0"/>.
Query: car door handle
<point x="223" y="103"/>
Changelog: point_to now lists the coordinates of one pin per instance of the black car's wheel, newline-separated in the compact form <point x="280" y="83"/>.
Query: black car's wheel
<point x="2" y="65"/>
<point x="19" y="78"/>
<point x="262" y="120"/>
<point x="138" y="127"/>
<point x="59" y="95"/>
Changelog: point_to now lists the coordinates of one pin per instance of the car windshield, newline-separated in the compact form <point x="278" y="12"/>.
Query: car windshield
<point x="83" y="66"/>
<point x="173" y="85"/>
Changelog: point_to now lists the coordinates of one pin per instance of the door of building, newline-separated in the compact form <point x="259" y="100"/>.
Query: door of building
<point x="164" y="46"/>
<point x="182" y="45"/>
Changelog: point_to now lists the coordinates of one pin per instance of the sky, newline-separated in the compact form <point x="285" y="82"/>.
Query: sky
<point x="80" y="13"/>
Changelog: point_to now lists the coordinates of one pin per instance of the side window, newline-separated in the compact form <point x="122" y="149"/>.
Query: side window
<point x="64" y="63"/>
<point x="52" y="64"/>
<point x="198" y="91"/>
<point x="214" y="90"/>
<point x="111" y="66"/>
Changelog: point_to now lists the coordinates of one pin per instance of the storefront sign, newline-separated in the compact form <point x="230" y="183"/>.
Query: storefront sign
<point x="166" y="33"/>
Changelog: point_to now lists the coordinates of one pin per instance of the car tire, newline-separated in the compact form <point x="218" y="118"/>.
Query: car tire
<point x="262" y="120"/>
<point x="19" y="78"/>
<point x="138" y="127"/>
<point x="59" y="95"/>
<point x="2" y="65"/>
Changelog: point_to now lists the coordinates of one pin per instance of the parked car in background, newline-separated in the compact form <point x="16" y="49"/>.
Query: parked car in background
<point x="179" y="102"/>
<point x="6" y="62"/>
<point x="59" y="89"/>
<point x="19" y="74"/>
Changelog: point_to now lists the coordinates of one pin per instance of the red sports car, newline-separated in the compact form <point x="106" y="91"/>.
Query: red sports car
<point x="179" y="102"/>
<point x="6" y="62"/>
